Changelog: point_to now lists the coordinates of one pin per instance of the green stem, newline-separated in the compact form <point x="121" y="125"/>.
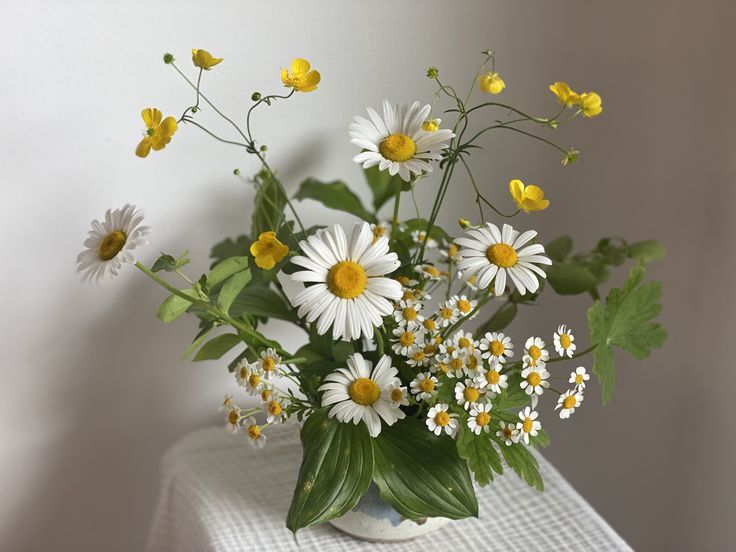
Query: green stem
<point x="573" y="357"/>
<point x="395" y="217"/>
<point x="192" y="122"/>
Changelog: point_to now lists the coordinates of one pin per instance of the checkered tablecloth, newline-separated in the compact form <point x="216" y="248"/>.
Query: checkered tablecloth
<point x="219" y="494"/>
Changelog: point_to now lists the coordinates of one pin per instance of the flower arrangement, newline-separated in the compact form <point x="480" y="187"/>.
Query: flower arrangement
<point x="392" y="385"/>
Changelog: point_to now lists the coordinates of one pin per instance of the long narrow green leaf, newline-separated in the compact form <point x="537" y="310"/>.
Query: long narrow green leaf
<point x="232" y="288"/>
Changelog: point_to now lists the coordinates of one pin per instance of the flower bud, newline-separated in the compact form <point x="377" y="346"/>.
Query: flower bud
<point x="168" y="58"/>
<point x="236" y="172"/>
<point x="464" y="223"/>
<point x="433" y="73"/>
<point x="264" y="148"/>
<point x="255" y="96"/>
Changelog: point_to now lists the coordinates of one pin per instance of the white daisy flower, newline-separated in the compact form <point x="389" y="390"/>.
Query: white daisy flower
<point x="480" y="418"/>
<point x="579" y="377"/>
<point x="111" y="243"/>
<point x="350" y="293"/>
<point x="420" y="236"/>
<point x="407" y="282"/>
<point x="451" y="253"/>
<point x="227" y="403"/>
<point x="242" y="372"/>
<point x="457" y="361"/>
<point x="568" y="402"/>
<point x="430" y="325"/>
<point x="465" y="306"/>
<point x="270" y="363"/>
<point x="407" y="314"/>
<point x="563" y="340"/>
<point x="256" y="437"/>
<point x="473" y="363"/>
<point x="439" y="366"/>
<point x="430" y="272"/>
<point x="233" y="419"/>
<point x="254" y="384"/>
<point x="494" y="254"/>
<point x="508" y="433"/>
<point x="447" y="314"/>
<point x="439" y="420"/>
<point x="381" y="229"/>
<point x="407" y="340"/>
<point x="424" y="386"/>
<point x="528" y="426"/>
<point x="535" y="380"/>
<point x="496" y="346"/>
<point x="274" y="407"/>
<point x="398" y="395"/>
<point x="535" y="353"/>
<point x="397" y="141"/>
<point x="494" y="379"/>
<point x="362" y="392"/>
<point x="418" y="358"/>
<point x="467" y="394"/>
<point x="464" y="341"/>
<point x="267" y="392"/>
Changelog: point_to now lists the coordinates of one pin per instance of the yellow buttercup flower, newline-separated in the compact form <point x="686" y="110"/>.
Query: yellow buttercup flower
<point x="491" y="83"/>
<point x="590" y="104"/>
<point x="564" y="94"/>
<point x="268" y="250"/>
<point x="204" y="60"/>
<point x="301" y="77"/>
<point x="158" y="132"/>
<point x="431" y="125"/>
<point x="528" y="198"/>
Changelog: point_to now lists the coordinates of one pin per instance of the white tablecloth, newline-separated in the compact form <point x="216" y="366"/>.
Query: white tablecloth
<point x="219" y="494"/>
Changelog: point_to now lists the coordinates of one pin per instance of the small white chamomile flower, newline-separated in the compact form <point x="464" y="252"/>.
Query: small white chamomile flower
<point x="398" y="395"/>
<point x="424" y="386"/>
<point x="568" y="402"/>
<point x="420" y="236"/>
<point x="269" y="363"/>
<point x="254" y="384"/>
<point x="579" y="377"/>
<point x="274" y="407"/>
<point x="457" y="361"/>
<point x="418" y="358"/>
<point x="563" y="340"/>
<point x="535" y="380"/>
<point x="534" y="352"/>
<point x="407" y="313"/>
<point x="480" y="418"/>
<point x="256" y="437"/>
<point x="242" y="372"/>
<point x="468" y="393"/>
<point x="430" y="272"/>
<point x="465" y="306"/>
<point x="233" y="418"/>
<point x="494" y="379"/>
<point x="508" y="433"/>
<point x="447" y="314"/>
<point x="528" y="426"/>
<point x="439" y="420"/>
<point x="408" y="339"/>
<point x="464" y="341"/>
<point x="496" y="345"/>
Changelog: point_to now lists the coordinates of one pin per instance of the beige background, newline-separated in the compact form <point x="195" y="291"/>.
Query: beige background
<point x="92" y="388"/>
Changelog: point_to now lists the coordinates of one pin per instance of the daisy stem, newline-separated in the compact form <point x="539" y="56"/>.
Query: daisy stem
<point x="379" y="341"/>
<point x="395" y="218"/>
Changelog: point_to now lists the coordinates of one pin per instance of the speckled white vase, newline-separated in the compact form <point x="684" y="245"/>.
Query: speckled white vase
<point x="374" y="520"/>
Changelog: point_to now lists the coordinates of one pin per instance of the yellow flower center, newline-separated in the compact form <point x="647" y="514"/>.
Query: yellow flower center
<point x="403" y="280"/>
<point x="265" y="394"/>
<point x="450" y="349"/>
<point x="483" y="419"/>
<point x="444" y="367"/>
<point x="378" y="231"/>
<point x="397" y="147"/>
<point x="431" y="125"/>
<point x="464" y="343"/>
<point x="432" y="271"/>
<point x="243" y="372"/>
<point x="408" y="296"/>
<point x="406" y="339"/>
<point x="534" y="379"/>
<point x="446" y="313"/>
<point x="429" y="349"/>
<point x="493" y="377"/>
<point x="397" y="394"/>
<point x="507" y="432"/>
<point x="569" y="402"/>
<point x="112" y="244"/>
<point x="364" y="391"/>
<point x="463" y="306"/>
<point x="442" y="418"/>
<point x="565" y="341"/>
<point x="268" y="364"/>
<point x="254" y="380"/>
<point x="430" y="325"/>
<point x="501" y="254"/>
<point x="409" y="314"/>
<point x="535" y="352"/>
<point x="452" y="250"/>
<point x="232" y="417"/>
<point x="150" y="131"/>
<point x="473" y="362"/>
<point x="527" y="425"/>
<point x="274" y="408"/>
<point x="579" y="379"/>
<point x="347" y="279"/>
<point x="497" y="347"/>
<point x="456" y="364"/>
<point x="418" y="356"/>
<point x="471" y="394"/>
<point x="254" y="432"/>
<point x="426" y="385"/>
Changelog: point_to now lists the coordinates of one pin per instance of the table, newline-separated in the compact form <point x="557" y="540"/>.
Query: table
<point x="218" y="494"/>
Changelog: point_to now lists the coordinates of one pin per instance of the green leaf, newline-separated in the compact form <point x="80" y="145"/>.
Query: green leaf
<point x="336" y="470"/>
<point x="646" y="251"/>
<point x="523" y="463"/>
<point x="206" y="328"/>
<point x="164" y="262"/>
<point x="481" y="454"/>
<point x="626" y="322"/>
<point x="500" y="319"/>
<point x="437" y="232"/>
<point x="223" y="270"/>
<point x="334" y="195"/>
<point x="268" y="208"/>
<point x="513" y="396"/>
<point x="262" y="302"/>
<point x="231" y="289"/>
<point x="571" y="279"/>
<point x="559" y="249"/>
<point x="217" y="346"/>
<point x="420" y="474"/>
<point x="174" y="306"/>
<point x="383" y="185"/>
<point x="230" y="248"/>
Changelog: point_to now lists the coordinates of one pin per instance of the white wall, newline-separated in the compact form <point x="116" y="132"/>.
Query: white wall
<point x="92" y="389"/>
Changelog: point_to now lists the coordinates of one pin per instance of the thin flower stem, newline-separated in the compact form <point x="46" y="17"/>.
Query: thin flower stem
<point x="395" y="217"/>
<point x="573" y="357"/>
<point x="193" y="122"/>
<point x="480" y="197"/>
